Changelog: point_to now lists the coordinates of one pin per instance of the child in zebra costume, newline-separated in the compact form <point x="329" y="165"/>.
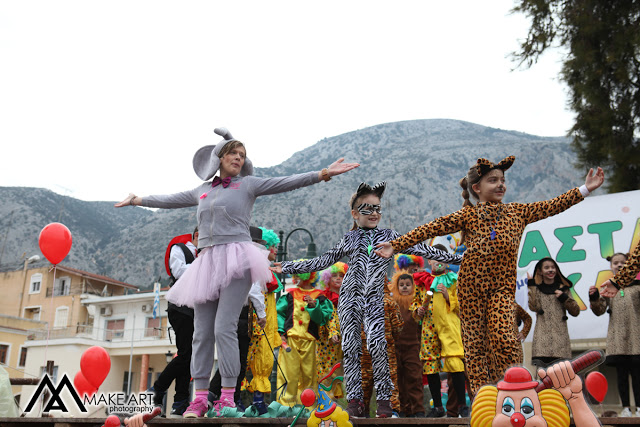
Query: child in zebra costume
<point x="393" y="325"/>
<point x="361" y="295"/>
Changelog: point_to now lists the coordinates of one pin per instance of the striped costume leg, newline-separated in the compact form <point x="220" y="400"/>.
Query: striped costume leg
<point x="350" y="314"/>
<point x="374" y="322"/>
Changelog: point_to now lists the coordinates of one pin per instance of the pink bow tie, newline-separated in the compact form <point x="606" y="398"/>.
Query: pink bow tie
<point x="217" y="181"/>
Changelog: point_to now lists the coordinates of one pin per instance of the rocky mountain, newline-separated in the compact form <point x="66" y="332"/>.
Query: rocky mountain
<point x="421" y="160"/>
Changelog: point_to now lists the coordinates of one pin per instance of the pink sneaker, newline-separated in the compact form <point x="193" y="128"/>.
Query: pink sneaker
<point x="197" y="409"/>
<point x="219" y="405"/>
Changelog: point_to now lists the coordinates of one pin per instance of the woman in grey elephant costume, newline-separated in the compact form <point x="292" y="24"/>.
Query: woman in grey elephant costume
<point x="218" y="282"/>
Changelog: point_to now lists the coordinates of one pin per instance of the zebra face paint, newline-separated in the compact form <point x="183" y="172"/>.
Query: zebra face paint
<point x="367" y="209"/>
<point x="371" y="217"/>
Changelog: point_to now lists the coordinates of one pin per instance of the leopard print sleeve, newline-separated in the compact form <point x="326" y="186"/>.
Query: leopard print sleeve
<point x="448" y="224"/>
<point x="522" y="314"/>
<point x="629" y="270"/>
<point x="537" y="211"/>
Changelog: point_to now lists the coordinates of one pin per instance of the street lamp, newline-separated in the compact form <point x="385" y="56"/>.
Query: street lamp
<point x="169" y="356"/>
<point x="282" y="250"/>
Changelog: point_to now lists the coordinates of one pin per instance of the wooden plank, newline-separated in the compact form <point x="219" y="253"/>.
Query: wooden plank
<point x="279" y="422"/>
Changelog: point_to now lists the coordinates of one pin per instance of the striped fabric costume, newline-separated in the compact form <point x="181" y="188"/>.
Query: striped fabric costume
<point x="361" y="301"/>
<point x="393" y="328"/>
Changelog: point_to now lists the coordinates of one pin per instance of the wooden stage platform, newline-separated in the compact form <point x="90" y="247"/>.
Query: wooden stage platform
<point x="263" y="422"/>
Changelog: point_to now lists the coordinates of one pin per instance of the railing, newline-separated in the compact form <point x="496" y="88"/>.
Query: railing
<point x="88" y="331"/>
<point x="77" y="290"/>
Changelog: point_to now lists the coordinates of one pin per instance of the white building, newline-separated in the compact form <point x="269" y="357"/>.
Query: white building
<point x="138" y="344"/>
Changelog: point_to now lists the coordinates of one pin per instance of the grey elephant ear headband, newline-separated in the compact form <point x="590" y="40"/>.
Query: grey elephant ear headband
<point x="206" y="161"/>
<point x="365" y="188"/>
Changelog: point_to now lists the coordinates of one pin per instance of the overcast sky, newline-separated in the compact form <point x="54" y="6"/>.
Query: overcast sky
<point x="100" y="98"/>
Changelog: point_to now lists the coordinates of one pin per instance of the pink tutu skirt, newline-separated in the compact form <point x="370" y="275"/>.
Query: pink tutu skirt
<point x="215" y="268"/>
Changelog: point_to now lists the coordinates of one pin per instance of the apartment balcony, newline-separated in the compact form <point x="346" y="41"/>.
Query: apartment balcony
<point x="91" y="332"/>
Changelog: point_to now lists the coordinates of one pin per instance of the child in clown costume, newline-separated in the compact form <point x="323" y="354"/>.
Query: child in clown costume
<point x="260" y="360"/>
<point x="408" y="263"/>
<point x="435" y="304"/>
<point x="301" y="312"/>
<point x="329" y="348"/>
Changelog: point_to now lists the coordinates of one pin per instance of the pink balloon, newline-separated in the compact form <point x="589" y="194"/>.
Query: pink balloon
<point x="95" y="365"/>
<point x="597" y="385"/>
<point x="55" y="242"/>
<point x="83" y="387"/>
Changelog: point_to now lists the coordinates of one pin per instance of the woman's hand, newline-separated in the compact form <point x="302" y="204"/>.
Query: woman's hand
<point x="592" y="290"/>
<point x="607" y="290"/>
<point x="335" y="339"/>
<point x="420" y="312"/>
<point x="337" y="167"/>
<point x="131" y="200"/>
<point x="558" y="293"/>
<point x="520" y="336"/>
<point x="594" y="180"/>
<point x="384" y="250"/>
<point x="277" y="268"/>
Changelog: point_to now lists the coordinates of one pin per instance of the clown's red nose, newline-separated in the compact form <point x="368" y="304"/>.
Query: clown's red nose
<point x="517" y="420"/>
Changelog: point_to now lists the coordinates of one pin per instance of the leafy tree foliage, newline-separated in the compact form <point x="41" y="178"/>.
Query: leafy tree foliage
<point x="602" y="70"/>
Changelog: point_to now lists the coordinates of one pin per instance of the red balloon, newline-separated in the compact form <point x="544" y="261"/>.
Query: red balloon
<point x="83" y="387"/>
<point x="112" y="421"/>
<point x="308" y="397"/>
<point x="597" y="385"/>
<point x="55" y="242"/>
<point x="95" y="365"/>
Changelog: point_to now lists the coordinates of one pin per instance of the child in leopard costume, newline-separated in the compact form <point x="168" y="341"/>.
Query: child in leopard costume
<point x="487" y="279"/>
